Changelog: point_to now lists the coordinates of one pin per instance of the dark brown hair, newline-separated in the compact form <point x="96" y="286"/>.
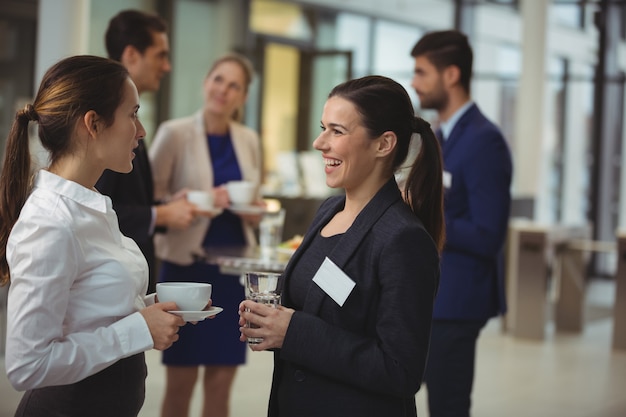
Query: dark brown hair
<point x="384" y="105"/>
<point x="69" y="89"/>
<point x="445" y="48"/>
<point x="134" y="28"/>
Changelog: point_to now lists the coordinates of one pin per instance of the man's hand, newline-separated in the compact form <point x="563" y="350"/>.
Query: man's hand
<point x="176" y="214"/>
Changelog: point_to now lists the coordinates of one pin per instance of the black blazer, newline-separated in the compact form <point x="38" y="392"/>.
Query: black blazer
<point x="133" y="197"/>
<point x="366" y="358"/>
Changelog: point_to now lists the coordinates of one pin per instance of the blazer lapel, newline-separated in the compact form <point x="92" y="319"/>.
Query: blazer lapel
<point x="350" y="241"/>
<point x="459" y="128"/>
<point x="142" y="165"/>
<point x="242" y="151"/>
<point x="200" y="152"/>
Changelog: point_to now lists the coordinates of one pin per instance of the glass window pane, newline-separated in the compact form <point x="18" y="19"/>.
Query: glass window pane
<point x="279" y="18"/>
<point x="353" y="33"/>
<point x="392" y="48"/>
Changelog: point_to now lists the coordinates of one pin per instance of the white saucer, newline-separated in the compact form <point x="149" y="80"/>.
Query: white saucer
<point x="211" y="211"/>
<point x="198" y="315"/>
<point x="247" y="209"/>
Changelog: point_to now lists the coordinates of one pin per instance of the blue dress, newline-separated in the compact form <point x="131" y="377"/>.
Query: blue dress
<point x="215" y="341"/>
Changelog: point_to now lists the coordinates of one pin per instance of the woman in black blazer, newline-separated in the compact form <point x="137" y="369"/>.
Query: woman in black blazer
<point x="352" y="335"/>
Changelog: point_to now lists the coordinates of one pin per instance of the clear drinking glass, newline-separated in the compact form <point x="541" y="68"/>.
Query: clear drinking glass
<point x="262" y="287"/>
<point x="271" y="232"/>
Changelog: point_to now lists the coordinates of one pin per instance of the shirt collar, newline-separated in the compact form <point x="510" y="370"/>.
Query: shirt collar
<point x="72" y="190"/>
<point x="448" y="125"/>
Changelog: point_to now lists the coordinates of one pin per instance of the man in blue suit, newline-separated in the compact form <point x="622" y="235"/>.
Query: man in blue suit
<point x="477" y="180"/>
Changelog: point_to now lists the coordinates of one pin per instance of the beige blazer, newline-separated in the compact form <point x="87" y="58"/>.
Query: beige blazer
<point x="180" y="158"/>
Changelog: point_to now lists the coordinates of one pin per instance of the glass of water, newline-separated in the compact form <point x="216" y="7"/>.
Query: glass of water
<point x="262" y="287"/>
<point x="271" y="232"/>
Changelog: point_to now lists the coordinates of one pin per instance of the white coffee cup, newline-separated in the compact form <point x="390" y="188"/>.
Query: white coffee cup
<point x="241" y="192"/>
<point x="202" y="199"/>
<point x="188" y="296"/>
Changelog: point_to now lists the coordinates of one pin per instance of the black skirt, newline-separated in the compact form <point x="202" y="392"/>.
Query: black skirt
<point x="117" y="391"/>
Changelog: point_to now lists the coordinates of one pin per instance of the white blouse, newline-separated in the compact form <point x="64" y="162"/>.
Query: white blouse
<point x="77" y="285"/>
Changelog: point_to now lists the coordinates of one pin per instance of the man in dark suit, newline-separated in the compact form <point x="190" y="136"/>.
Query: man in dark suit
<point x="139" y="41"/>
<point x="477" y="180"/>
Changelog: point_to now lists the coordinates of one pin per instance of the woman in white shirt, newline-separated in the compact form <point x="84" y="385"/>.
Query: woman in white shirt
<point x="77" y="318"/>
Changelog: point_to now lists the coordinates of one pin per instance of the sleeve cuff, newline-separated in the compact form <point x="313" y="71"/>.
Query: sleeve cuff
<point x="133" y="333"/>
<point x="150" y="299"/>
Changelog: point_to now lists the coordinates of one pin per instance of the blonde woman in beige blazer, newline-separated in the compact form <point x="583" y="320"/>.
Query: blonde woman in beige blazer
<point x="203" y="152"/>
<point x="179" y="154"/>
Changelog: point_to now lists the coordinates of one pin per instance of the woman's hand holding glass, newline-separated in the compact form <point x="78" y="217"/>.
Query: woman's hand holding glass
<point x="272" y="324"/>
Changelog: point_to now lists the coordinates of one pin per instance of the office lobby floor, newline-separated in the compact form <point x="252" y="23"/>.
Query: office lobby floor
<point x="573" y="375"/>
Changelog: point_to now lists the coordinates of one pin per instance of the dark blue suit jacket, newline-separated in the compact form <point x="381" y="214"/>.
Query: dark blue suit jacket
<point x="477" y="202"/>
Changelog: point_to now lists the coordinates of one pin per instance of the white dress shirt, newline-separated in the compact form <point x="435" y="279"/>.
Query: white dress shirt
<point x="77" y="285"/>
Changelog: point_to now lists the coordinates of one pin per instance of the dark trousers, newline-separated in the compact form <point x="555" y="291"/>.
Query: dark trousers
<point x="117" y="391"/>
<point x="450" y="367"/>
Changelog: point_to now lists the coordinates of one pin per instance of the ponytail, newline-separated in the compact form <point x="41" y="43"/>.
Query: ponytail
<point x="14" y="181"/>
<point x="424" y="185"/>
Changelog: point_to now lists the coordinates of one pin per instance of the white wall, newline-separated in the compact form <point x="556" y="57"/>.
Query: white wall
<point x="203" y="30"/>
<point x="62" y="31"/>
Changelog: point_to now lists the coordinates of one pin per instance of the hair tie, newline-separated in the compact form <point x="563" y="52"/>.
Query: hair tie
<point x="30" y="112"/>
<point x="414" y="124"/>
<point x="27" y="114"/>
<point x="419" y="125"/>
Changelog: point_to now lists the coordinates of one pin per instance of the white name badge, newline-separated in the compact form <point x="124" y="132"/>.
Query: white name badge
<point x="447" y="179"/>
<point x="334" y="281"/>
